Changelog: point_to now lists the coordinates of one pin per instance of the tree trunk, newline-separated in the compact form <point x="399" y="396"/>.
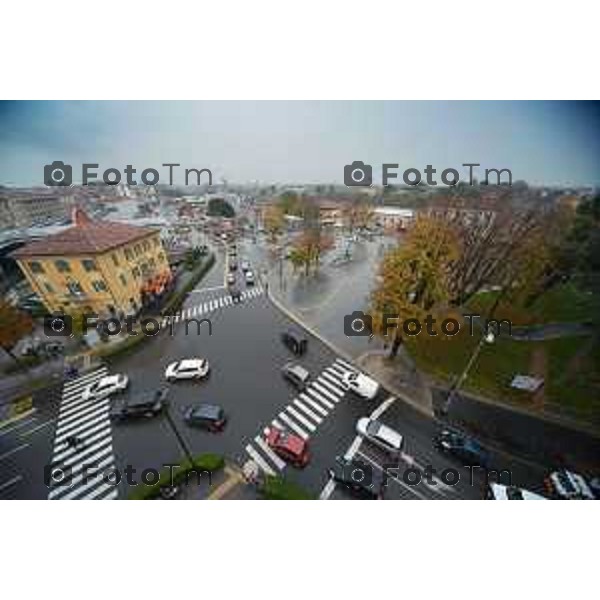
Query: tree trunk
<point x="398" y="341"/>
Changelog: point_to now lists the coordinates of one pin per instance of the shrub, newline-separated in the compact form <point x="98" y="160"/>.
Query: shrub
<point x="202" y="462"/>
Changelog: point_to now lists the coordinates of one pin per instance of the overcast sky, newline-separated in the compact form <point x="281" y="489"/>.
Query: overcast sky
<point x="296" y="142"/>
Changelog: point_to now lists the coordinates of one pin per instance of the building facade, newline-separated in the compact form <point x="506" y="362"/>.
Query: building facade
<point x="95" y="267"/>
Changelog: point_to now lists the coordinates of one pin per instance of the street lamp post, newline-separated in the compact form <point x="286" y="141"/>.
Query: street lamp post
<point x="178" y="435"/>
<point x="487" y="338"/>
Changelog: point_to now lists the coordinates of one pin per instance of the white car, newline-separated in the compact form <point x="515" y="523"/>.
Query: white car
<point x="497" y="491"/>
<point x="360" y="384"/>
<point x="379" y="434"/>
<point x="105" y="386"/>
<point x="189" y="368"/>
<point x="230" y="278"/>
<point x="245" y="266"/>
<point x="249" y="278"/>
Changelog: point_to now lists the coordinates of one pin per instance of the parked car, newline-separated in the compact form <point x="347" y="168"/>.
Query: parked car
<point x="569" y="485"/>
<point x="379" y="434"/>
<point x="146" y="405"/>
<point x="358" y="478"/>
<point x="232" y="265"/>
<point x="245" y="266"/>
<point x="462" y="447"/>
<point x="105" y="386"/>
<point x="296" y="374"/>
<point x="230" y="279"/>
<point x="296" y="342"/>
<point x="497" y="491"/>
<point x="189" y="368"/>
<point x="206" y="416"/>
<point x="360" y="384"/>
<point x="249" y="278"/>
<point x="291" y="447"/>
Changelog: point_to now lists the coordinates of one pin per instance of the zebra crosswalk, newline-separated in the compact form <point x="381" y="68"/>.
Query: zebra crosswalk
<point x="302" y="416"/>
<point x="77" y="472"/>
<point x="209" y="306"/>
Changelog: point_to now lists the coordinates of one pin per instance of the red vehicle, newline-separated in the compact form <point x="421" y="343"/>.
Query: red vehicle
<point x="289" y="446"/>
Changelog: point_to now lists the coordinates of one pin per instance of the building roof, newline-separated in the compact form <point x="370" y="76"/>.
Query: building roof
<point x="86" y="236"/>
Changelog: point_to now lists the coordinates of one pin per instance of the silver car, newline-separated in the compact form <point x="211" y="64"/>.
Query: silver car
<point x="379" y="434"/>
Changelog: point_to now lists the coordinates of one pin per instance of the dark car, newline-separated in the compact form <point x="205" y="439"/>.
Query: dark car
<point x="206" y="416"/>
<point x="233" y="265"/>
<point x="295" y="342"/>
<point x="360" y="479"/>
<point x="296" y="374"/>
<point x="236" y="295"/>
<point x="459" y="445"/>
<point x="147" y="405"/>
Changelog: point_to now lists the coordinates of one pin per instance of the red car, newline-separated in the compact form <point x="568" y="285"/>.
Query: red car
<point x="289" y="446"/>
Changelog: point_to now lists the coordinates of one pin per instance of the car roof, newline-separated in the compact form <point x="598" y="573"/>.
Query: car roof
<point x="296" y="368"/>
<point x="190" y="363"/>
<point x="209" y="411"/>
<point x="109" y="379"/>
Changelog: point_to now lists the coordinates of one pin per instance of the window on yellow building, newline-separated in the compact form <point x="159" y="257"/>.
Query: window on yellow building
<point x="89" y="265"/>
<point x="99" y="285"/>
<point x="74" y="288"/>
<point x="135" y="272"/>
<point x="115" y="259"/>
<point x="62" y="266"/>
<point x="123" y="279"/>
<point x="36" y="267"/>
<point x="128" y="254"/>
<point x="48" y="287"/>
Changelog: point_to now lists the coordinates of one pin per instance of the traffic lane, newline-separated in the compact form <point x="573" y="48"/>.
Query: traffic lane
<point x="544" y="442"/>
<point x="246" y="355"/>
<point x="26" y="448"/>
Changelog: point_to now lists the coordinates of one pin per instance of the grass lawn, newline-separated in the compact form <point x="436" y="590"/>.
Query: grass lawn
<point x="574" y="390"/>
<point x="563" y="304"/>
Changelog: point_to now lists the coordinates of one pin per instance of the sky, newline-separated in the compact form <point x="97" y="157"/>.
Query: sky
<point x="549" y="143"/>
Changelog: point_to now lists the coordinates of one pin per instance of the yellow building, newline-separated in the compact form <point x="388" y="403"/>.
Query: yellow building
<point x="95" y="267"/>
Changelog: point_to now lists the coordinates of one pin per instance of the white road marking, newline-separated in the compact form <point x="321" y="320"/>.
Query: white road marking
<point x="310" y="426"/>
<point x="280" y="464"/>
<point x="13" y="451"/>
<point x="353" y="448"/>
<point x="10" y="482"/>
<point x="382" y="407"/>
<point x="332" y="383"/>
<point x="315" y="394"/>
<point x="308" y="412"/>
<point x="257" y="458"/>
<point x="393" y="477"/>
<point x="320" y="385"/>
<point x="16" y="426"/>
<point x="293" y="426"/>
<point x="315" y="405"/>
<point x="327" y="490"/>
<point x="345" y="364"/>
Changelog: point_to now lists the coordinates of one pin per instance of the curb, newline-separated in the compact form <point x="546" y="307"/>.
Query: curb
<point x="399" y="393"/>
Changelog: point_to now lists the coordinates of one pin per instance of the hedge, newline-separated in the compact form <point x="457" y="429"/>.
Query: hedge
<point x="202" y="462"/>
<point x="277" y="488"/>
<point x="176" y="300"/>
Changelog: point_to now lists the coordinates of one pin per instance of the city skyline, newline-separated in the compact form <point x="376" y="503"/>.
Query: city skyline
<point x="543" y="143"/>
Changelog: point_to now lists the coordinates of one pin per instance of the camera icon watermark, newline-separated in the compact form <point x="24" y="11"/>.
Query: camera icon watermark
<point x="358" y="324"/>
<point x="58" y="174"/>
<point x="358" y="174"/>
<point x="58" y="326"/>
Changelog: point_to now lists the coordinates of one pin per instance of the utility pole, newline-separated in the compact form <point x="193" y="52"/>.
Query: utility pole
<point x="178" y="435"/>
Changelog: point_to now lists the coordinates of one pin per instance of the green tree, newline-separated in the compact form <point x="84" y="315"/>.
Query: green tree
<point x="414" y="278"/>
<point x="218" y="207"/>
<point x="14" y="325"/>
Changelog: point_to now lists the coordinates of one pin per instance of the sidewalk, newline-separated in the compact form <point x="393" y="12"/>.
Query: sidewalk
<point x="400" y="376"/>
